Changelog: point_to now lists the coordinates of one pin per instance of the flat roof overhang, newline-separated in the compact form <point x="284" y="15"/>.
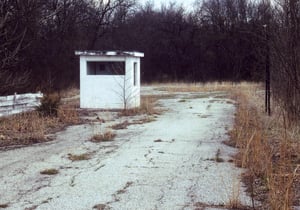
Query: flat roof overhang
<point x="109" y="53"/>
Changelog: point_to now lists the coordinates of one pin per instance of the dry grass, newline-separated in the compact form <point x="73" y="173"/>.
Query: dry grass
<point x="32" y="127"/>
<point x="107" y="136"/>
<point x="69" y="92"/>
<point x="68" y="114"/>
<point x="148" y="107"/>
<point x="202" y="87"/>
<point x="125" y="124"/>
<point x="218" y="158"/>
<point x="84" y="156"/>
<point x="3" y="206"/>
<point x="49" y="171"/>
<point x="268" y="149"/>
<point x="101" y="207"/>
<point x="25" y="128"/>
<point x="234" y="201"/>
<point x="120" y="126"/>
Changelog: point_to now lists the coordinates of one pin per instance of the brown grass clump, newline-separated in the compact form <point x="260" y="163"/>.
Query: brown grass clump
<point x="84" y="156"/>
<point x="50" y="171"/>
<point x="3" y="206"/>
<point x="107" y="136"/>
<point x="68" y="115"/>
<point x="25" y="128"/>
<point x="268" y="149"/>
<point x="120" y="126"/>
<point x="32" y="127"/>
<point x="147" y="107"/>
<point x="70" y="92"/>
<point x="101" y="206"/>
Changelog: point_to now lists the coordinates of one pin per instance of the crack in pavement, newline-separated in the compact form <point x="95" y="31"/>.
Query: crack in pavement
<point x="143" y="168"/>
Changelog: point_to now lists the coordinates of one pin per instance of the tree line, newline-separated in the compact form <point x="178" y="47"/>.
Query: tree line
<point x="218" y="40"/>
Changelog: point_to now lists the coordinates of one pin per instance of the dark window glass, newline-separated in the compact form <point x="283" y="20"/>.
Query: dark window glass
<point x="105" y="68"/>
<point x="134" y="73"/>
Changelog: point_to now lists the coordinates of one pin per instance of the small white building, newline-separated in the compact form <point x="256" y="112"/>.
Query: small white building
<point x="109" y="79"/>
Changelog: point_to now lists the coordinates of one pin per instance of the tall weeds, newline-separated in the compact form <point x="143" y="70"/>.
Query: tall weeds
<point x="266" y="150"/>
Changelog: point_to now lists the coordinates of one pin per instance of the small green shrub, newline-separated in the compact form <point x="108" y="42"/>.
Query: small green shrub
<point x="49" y="104"/>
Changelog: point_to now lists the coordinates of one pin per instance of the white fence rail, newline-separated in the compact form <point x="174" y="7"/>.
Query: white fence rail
<point x="18" y="103"/>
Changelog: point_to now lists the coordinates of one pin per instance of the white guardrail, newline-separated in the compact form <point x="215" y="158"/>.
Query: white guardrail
<point x="18" y="103"/>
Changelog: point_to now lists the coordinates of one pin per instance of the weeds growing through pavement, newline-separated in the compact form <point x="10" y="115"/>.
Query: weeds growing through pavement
<point x="218" y="158"/>
<point x="120" y="126"/>
<point x="234" y="199"/>
<point x="101" y="207"/>
<point x="148" y="107"/>
<point x="68" y="114"/>
<point x="84" y="156"/>
<point x="107" y="136"/>
<point x="49" y="171"/>
<point x="182" y="100"/>
<point x="3" y="206"/>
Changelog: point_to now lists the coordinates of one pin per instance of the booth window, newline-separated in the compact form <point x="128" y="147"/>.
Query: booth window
<point x="105" y="68"/>
<point x="134" y="73"/>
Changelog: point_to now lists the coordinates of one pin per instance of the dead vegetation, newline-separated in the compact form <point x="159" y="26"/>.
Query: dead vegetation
<point x="269" y="146"/>
<point x="84" y="156"/>
<point x="49" y="171"/>
<point x="126" y="123"/>
<point x="26" y="128"/>
<point x="148" y="107"/>
<point x="101" y="207"/>
<point x="200" y="87"/>
<point x="233" y="206"/>
<point x="56" y="112"/>
<point x="268" y="149"/>
<point x="217" y="157"/>
<point x="32" y="127"/>
<point x="120" y="126"/>
<point x="3" y="206"/>
<point x="101" y="137"/>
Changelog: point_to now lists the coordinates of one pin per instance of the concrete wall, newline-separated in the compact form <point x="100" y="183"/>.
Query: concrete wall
<point x="109" y="91"/>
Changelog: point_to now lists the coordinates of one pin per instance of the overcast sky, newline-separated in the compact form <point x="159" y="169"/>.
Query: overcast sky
<point x="188" y="4"/>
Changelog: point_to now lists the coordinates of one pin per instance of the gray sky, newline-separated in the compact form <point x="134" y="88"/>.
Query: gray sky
<point x="188" y="4"/>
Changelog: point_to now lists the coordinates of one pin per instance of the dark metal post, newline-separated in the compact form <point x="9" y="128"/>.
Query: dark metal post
<point x="267" y="73"/>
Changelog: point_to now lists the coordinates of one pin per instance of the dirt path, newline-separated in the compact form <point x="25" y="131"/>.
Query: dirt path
<point x="175" y="162"/>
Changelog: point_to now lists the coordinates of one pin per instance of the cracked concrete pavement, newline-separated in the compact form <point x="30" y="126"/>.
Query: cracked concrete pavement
<point x="169" y="163"/>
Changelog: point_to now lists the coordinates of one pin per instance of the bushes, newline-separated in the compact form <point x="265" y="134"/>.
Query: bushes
<point x="49" y="104"/>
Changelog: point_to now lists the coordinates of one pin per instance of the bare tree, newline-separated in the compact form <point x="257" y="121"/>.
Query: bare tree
<point x="11" y="43"/>
<point x="286" y="57"/>
<point x="102" y="16"/>
<point x="125" y="85"/>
